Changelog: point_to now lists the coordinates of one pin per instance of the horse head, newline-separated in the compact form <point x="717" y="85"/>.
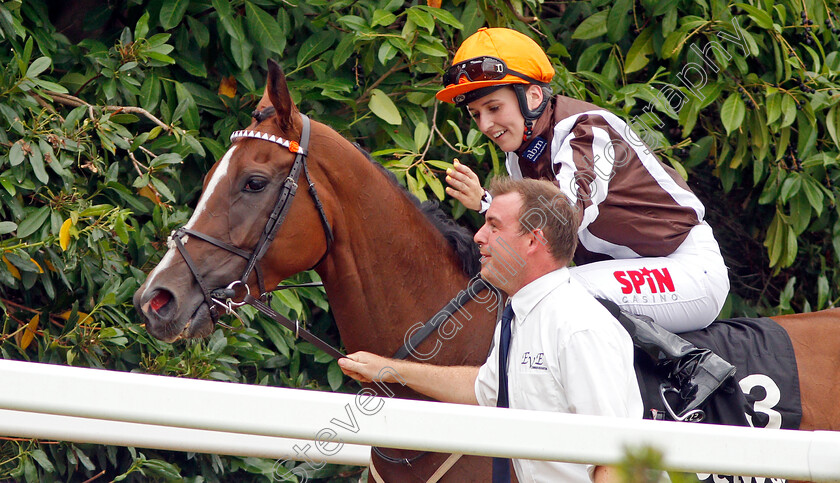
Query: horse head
<point x="249" y="196"/>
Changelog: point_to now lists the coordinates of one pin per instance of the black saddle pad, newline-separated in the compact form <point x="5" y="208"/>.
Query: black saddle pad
<point x="765" y="390"/>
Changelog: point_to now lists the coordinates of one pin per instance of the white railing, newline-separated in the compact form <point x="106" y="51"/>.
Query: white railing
<point x="25" y="424"/>
<point x="334" y="421"/>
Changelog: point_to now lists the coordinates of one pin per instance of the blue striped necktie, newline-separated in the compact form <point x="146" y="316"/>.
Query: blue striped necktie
<point x="501" y="466"/>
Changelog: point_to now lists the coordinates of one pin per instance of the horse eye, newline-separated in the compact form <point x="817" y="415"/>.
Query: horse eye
<point x="255" y="185"/>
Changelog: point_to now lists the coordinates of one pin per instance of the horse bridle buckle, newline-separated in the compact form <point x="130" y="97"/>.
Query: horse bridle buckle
<point x="229" y="305"/>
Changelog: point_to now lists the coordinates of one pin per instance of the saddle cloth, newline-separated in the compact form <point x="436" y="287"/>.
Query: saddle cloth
<point x="765" y="389"/>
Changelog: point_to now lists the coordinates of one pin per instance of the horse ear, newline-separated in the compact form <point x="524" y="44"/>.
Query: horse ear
<point x="277" y="95"/>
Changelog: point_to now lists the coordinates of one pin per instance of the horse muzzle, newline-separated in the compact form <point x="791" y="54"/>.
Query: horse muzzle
<point x="169" y="317"/>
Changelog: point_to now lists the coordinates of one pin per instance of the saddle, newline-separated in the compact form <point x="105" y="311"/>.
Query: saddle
<point x="764" y="391"/>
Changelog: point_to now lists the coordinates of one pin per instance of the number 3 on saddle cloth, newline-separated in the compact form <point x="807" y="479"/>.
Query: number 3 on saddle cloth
<point x="764" y="392"/>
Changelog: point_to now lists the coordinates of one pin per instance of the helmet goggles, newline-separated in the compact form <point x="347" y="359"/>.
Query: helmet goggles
<point x="484" y="68"/>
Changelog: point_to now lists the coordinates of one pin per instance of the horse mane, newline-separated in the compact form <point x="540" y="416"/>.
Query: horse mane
<point x="458" y="237"/>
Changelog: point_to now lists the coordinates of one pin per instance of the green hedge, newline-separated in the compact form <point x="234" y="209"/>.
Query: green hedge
<point x="112" y="113"/>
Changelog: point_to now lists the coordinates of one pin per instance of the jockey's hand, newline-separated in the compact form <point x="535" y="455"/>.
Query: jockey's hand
<point x="367" y="367"/>
<point x="464" y="186"/>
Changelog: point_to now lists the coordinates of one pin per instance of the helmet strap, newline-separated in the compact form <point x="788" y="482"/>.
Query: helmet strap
<point x="529" y="129"/>
<point x="530" y="115"/>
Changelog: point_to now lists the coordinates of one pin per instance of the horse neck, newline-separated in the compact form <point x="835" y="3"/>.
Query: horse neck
<point x="389" y="268"/>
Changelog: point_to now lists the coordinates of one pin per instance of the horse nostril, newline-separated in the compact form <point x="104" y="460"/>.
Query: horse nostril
<point x="161" y="298"/>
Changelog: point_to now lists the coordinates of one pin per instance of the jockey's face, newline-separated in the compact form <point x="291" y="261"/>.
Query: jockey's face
<point x="497" y="115"/>
<point x="503" y="244"/>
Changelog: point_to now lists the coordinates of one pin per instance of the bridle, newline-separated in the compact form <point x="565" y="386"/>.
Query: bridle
<point x="215" y="297"/>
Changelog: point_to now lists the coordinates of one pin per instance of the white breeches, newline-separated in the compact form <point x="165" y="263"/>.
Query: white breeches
<point x="681" y="292"/>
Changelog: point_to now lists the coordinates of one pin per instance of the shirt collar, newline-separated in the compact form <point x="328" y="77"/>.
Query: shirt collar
<point x="530" y="295"/>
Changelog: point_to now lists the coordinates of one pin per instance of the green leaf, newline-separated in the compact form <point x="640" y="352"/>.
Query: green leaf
<point x="33" y="222"/>
<point x="832" y="124"/>
<point x="384" y="108"/>
<point x="162" y="58"/>
<point x="199" y="32"/>
<point x="167" y="158"/>
<point x="7" y="227"/>
<point x="30" y="472"/>
<point x="774" y="107"/>
<point x="679" y="168"/>
<point x="36" y="159"/>
<point x="591" y="57"/>
<point x="354" y="22"/>
<point x="421" y="18"/>
<point x="225" y="11"/>
<point x="665" y="6"/>
<point x="814" y="194"/>
<point x="593" y="26"/>
<point x="382" y="17"/>
<point x="171" y="13"/>
<point x="790" y="187"/>
<point x="313" y="46"/>
<point x="272" y="330"/>
<point x="43" y="460"/>
<point x="421" y="135"/>
<point x="788" y="110"/>
<point x="16" y="155"/>
<point x="457" y="130"/>
<point x="163" y="189"/>
<point x="444" y="16"/>
<point x="673" y="44"/>
<point x="732" y="112"/>
<point x="800" y="212"/>
<point x="823" y="291"/>
<point x="22" y="261"/>
<point x="240" y="48"/>
<point x="264" y="29"/>
<point x="141" y="28"/>
<point x="641" y="48"/>
<point x="187" y="109"/>
<point x="50" y="86"/>
<point x="618" y="22"/>
<point x="344" y="49"/>
<point x="791" y="247"/>
<point x="150" y="92"/>
<point x="124" y="118"/>
<point x="435" y="48"/>
<point x="96" y="210"/>
<point x="774" y="240"/>
<point x="386" y="53"/>
<point x="761" y="18"/>
<point x="38" y="65"/>
<point x="334" y="376"/>
<point x="433" y="182"/>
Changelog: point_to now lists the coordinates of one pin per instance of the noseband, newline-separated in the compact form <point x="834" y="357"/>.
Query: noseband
<point x="272" y="226"/>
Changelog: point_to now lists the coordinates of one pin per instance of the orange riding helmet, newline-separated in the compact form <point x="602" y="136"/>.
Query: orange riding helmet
<point x="492" y="58"/>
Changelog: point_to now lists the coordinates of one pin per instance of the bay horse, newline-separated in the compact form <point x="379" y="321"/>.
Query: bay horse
<point x="384" y="263"/>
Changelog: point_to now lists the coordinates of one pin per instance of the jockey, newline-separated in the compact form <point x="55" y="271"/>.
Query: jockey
<point x="643" y="243"/>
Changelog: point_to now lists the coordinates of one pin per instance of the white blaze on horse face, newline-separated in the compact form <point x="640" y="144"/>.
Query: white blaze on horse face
<point x="221" y="172"/>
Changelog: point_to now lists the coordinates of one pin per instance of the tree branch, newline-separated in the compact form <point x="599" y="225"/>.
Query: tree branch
<point x="68" y="100"/>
